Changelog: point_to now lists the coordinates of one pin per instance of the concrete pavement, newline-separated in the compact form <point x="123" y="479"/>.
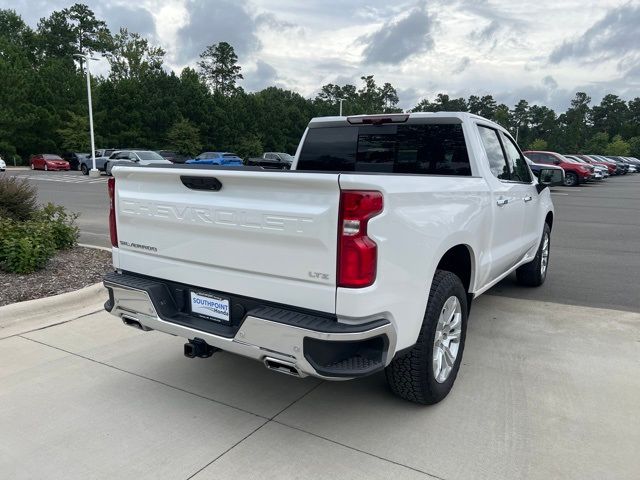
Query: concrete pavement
<point x="545" y="391"/>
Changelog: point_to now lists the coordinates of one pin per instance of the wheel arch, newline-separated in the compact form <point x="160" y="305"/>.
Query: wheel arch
<point x="460" y="259"/>
<point x="549" y="220"/>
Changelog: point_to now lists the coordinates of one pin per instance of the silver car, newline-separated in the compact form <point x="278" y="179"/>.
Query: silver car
<point x="134" y="157"/>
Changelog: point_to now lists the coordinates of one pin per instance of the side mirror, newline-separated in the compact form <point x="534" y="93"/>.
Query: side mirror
<point x="550" y="177"/>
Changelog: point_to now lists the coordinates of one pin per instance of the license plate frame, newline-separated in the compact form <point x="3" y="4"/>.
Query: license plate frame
<point x="210" y="306"/>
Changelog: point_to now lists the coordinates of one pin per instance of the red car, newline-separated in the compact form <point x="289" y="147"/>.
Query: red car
<point x="609" y="166"/>
<point x="575" y="172"/>
<point x="48" y="161"/>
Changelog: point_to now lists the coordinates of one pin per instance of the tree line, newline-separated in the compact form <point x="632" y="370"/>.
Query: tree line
<point x="143" y="104"/>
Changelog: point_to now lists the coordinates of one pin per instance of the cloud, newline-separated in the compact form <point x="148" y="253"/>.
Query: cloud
<point x="263" y="76"/>
<point x="135" y="19"/>
<point x="487" y="33"/>
<point x="400" y="38"/>
<point x="214" y="22"/>
<point x="270" y="20"/>
<point x="550" y="82"/>
<point x="611" y="37"/>
<point x="461" y="66"/>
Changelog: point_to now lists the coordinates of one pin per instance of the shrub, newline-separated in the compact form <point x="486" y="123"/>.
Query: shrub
<point x="27" y="246"/>
<point x="64" y="231"/>
<point x="18" y="198"/>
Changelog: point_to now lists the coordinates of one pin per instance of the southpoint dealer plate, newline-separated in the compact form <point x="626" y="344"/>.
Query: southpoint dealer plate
<point x="210" y="306"/>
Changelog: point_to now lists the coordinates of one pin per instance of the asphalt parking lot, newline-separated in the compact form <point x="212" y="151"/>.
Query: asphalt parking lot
<point x="547" y="389"/>
<point x="595" y="256"/>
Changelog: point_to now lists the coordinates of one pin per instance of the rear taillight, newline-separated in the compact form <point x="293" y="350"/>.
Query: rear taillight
<point x="357" y="253"/>
<point x="113" y="231"/>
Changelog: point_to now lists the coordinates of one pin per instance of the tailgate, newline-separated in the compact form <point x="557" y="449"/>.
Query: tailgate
<point x="265" y="235"/>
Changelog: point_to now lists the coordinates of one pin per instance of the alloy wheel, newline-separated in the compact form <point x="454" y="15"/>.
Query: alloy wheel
<point x="446" y="343"/>
<point x="544" y="260"/>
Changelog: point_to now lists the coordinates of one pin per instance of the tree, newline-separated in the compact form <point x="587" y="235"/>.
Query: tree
<point x="610" y="115"/>
<point x="634" y="147"/>
<point x="598" y="143"/>
<point x="484" y="106"/>
<point x="218" y="66"/>
<point x="91" y="35"/>
<point x="73" y="30"/>
<point x="521" y="117"/>
<point x="131" y="56"/>
<point x="75" y="133"/>
<point x="442" y="103"/>
<point x="184" y="138"/>
<point x="618" y="147"/>
<point x="539" y="144"/>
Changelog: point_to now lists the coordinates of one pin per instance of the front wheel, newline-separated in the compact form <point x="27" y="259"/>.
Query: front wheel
<point x="570" y="179"/>
<point x="426" y="373"/>
<point x="84" y="169"/>
<point x="46" y="168"/>
<point x="534" y="273"/>
<point x="33" y="167"/>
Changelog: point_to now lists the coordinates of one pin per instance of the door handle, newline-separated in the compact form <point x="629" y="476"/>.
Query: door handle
<point x="502" y="202"/>
<point x="528" y="198"/>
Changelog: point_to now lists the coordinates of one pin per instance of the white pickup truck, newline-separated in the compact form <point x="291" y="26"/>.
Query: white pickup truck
<point x="365" y="256"/>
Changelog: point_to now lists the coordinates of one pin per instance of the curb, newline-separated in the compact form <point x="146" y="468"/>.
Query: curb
<point x="30" y="315"/>
<point x="95" y="247"/>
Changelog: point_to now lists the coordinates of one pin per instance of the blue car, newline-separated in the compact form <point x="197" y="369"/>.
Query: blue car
<point x="217" y="158"/>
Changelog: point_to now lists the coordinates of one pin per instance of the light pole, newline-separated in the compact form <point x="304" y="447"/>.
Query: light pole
<point x="94" y="171"/>
<point x="341" y="100"/>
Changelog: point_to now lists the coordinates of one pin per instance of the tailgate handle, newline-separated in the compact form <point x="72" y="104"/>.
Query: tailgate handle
<point x="211" y="184"/>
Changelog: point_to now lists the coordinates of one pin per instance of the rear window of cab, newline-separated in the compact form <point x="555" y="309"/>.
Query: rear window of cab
<point x="428" y="149"/>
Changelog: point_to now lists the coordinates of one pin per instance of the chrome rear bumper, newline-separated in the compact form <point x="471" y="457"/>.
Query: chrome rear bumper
<point x="266" y="340"/>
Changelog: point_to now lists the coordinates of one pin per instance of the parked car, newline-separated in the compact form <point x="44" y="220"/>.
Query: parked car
<point x="134" y="157"/>
<point x="536" y="168"/>
<point x="172" y="156"/>
<point x="272" y="160"/>
<point x="633" y="168"/>
<point x="48" y="161"/>
<point x="3" y="166"/>
<point x="74" y="159"/>
<point x="619" y="166"/>
<point x="217" y="158"/>
<point x="102" y="155"/>
<point x="368" y="259"/>
<point x="610" y="166"/>
<point x="600" y="172"/>
<point x="574" y="171"/>
<point x="624" y="166"/>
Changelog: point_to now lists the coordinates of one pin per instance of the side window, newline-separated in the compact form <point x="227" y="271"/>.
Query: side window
<point x="270" y="156"/>
<point x="497" y="162"/>
<point x="534" y="157"/>
<point x="519" y="167"/>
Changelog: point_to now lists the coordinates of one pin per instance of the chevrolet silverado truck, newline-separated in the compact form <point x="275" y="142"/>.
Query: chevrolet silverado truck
<point x="364" y="257"/>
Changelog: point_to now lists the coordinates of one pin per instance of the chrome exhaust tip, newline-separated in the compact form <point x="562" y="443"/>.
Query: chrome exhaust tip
<point x="281" y="366"/>
<point x="135" y="323"/>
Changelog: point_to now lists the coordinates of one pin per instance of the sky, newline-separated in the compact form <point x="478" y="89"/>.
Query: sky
<point x="542" y="51"/>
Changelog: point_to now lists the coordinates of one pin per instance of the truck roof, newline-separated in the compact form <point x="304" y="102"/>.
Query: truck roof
<point x="413" y="117"/>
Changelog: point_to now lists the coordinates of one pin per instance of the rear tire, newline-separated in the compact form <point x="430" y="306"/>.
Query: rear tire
<point x="84" y="169"/>
<point x="534" y="273"/>
<point x="414" y="375"/>
<point x="571" y="180"/>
